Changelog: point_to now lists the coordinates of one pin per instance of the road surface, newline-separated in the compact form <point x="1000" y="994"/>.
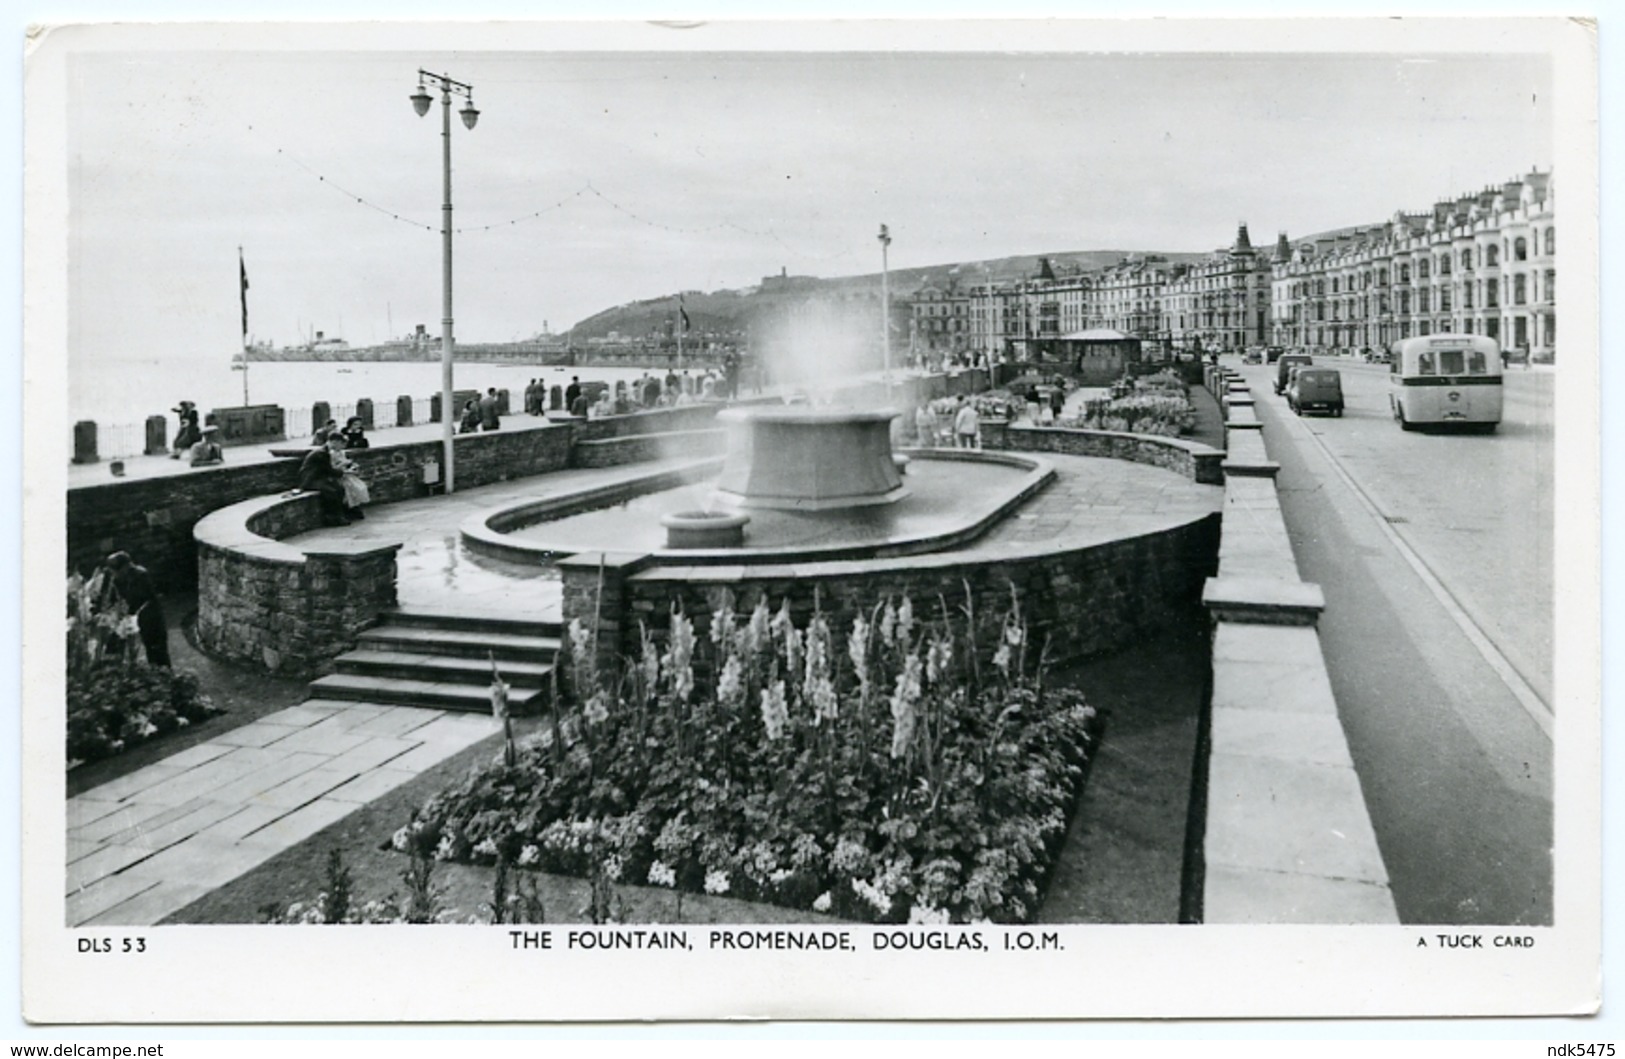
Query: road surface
<point x="1435" y="555"/>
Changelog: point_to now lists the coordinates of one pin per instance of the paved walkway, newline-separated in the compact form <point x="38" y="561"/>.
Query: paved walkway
<point x="151" y="842"/>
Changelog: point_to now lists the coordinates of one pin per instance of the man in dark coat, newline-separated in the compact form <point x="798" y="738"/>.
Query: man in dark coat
<point x="571" y="392"/>
<point x="134" y="586"/>
<point x="318" y="475"/>
<point x="488" y="410"/>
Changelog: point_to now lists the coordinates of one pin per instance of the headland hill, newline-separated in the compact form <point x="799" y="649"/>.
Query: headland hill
<point x="721" y="320"/>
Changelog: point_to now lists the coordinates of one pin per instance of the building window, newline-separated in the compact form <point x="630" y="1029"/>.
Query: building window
<point x="1466" y="295"/>
<point x="1422" y="269"/>
<point x="1492" y="256"/>
<point x="1444" y="264"/>
<point x="1492" y="298"/>
<point x="1404" y="273"/>
<point x="1518" y="290"/>
<point x="1444" y="300"/>
<point x="1467" y="260"/>
<point x="1520" y="249"/>
<point x="1551" y="241"/>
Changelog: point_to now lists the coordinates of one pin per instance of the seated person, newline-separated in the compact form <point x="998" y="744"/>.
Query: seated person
<point x="325" y="431"/>
<point x="471" y="418"/>
<point x="207" y="451"/>
<point x="355" y="434"/>
<point x="320" y="475"/>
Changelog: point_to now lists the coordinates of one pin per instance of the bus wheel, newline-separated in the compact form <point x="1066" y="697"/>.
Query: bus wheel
<point x="1405" y="424"/>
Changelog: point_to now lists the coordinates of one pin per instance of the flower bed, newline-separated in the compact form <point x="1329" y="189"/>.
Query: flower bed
<point x="1157" y="404"/>
<point x="890" y="774"/>
<point x="115" y="700"/>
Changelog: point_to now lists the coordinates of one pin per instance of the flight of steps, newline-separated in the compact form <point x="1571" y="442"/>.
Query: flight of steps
<point x="443" y="662"/>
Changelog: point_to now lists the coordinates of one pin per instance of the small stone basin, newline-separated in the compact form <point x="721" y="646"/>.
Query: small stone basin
<point x="704" y="529"/>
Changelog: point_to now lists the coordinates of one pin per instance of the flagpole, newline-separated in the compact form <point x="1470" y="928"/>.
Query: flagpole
<point x="242" y="276"/>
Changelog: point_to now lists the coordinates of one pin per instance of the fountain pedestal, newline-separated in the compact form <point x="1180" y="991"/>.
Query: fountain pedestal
<point x="808" y="459"/>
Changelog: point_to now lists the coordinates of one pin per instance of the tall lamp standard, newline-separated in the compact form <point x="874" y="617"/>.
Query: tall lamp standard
<point x="885" y="303"/>
<point x="420" y="103"/>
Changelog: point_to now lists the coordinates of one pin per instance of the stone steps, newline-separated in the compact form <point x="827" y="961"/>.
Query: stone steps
<point x="394" y="691"/>
<point x="459" y="643"/>
<point x="443" y="661"/>
<point x="446" y="668"/>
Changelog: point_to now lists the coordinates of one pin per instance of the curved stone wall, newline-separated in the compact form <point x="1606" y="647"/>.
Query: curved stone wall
<point x="274" y="606"/>
<point x="1192" y="459"/>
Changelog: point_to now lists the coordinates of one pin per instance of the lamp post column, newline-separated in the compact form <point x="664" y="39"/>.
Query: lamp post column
<point x="447" y="412"/>
<point x="885" y="304"/>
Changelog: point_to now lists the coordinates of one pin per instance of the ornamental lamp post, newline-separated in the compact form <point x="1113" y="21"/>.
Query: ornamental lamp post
<point x="420" y="103"/>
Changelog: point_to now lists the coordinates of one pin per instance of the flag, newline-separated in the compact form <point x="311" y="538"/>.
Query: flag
<point x="242" y="274"/>
<point x="682" y="315"/>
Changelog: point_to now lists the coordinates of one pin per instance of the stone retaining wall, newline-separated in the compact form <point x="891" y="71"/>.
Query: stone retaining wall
<point x="153" y="518"/>
<point x="274" y="606"/>
<point x="1080" y="602"/>
<point x="1191" y="459"/>
<point x="1286" y="837"/>
<point x="615" y="451"/>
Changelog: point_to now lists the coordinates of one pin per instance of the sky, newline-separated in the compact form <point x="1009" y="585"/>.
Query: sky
<point x="597" y="177"/>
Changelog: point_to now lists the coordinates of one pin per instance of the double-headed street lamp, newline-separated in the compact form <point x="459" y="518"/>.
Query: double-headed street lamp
<point x="420" y="103"/>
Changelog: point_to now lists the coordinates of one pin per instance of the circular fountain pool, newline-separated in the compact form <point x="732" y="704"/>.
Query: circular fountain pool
<point x="817" y="484"/>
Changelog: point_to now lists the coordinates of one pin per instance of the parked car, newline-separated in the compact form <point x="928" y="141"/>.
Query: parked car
<point x="1253" y="356"/>
<point x="1273" y="353"/>
<point x="1284" y="364"/>
<point x="1312" y="389"/>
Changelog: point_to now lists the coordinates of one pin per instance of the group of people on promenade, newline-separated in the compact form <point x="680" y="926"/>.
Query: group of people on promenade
<point x="483" y="413"/>
<point x="649" y="392"/>
<point x="200" y="445"/>
<point x="328" y="471"/>
<point x="957" y="414"/>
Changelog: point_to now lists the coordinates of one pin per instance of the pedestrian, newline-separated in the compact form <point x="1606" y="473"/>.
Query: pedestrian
<point x="925" y="426"/>
<point x="135" y="587"/>
<point x="207" y="451"/>
<point x="578" y="404"/>
<point x="571" y="392"/>
<point x="489" y="406"/>
<point x="966" y="424"/>
<point x="651" y="391"/>
<point x="1057" y="402"/>
<point x="355" y="434"/>
<point x="187" y="433"/>
<point x="533" y="404"/>
<point x="325" y="431"/>
<point x="470" y="421"/>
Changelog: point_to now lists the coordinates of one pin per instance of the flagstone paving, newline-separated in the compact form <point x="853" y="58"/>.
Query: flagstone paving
<point x="152" y="842"/>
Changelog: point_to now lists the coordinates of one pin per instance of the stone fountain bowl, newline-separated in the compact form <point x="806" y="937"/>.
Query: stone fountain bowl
<point x="704" y="529"/>
<point x="809" y="459"/>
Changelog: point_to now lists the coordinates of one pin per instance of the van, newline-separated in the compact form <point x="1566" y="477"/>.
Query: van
<point x="1284" y="365"/>
<point x="1316" y="390"/>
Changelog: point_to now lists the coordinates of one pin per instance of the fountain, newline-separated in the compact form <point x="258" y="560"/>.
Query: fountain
<point x="797" y="458"/>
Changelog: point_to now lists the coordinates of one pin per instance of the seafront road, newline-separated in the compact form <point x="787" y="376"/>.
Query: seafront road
<point x="1435" y="555"/>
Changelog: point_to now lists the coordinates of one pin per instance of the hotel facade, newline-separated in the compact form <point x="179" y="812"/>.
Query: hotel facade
<point x="1481" y="263"/>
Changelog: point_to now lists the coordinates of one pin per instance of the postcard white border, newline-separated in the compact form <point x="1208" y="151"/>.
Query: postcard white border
<point x="386" y="974"/>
